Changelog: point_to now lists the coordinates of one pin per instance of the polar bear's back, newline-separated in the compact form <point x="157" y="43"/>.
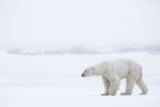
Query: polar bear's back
<point x="124" y="66"/>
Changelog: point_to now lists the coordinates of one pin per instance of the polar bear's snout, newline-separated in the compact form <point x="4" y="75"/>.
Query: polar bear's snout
<point x="83" y="74"/>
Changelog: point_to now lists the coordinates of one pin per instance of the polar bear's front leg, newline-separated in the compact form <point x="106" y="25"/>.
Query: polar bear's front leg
<point x="114" y="86"/>
<point x="106" y="85"/>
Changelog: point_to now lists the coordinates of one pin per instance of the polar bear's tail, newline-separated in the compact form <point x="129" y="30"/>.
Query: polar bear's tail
<point x="142" y="85"/>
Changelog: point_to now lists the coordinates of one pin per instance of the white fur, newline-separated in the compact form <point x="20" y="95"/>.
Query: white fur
<point x="113" y="71"/>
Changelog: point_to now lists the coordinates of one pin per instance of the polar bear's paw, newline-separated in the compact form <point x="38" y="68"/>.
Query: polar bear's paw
<point x="125" y="93"/>
<point x="113" y="93"/>
<point x="143" y="93"/>
<point x="105" y="94"/>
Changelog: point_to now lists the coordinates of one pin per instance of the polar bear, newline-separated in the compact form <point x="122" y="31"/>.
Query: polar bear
<point x="113" y="71"/>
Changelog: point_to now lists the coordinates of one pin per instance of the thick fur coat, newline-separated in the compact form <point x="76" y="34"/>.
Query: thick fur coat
<point x="113" y="71"/>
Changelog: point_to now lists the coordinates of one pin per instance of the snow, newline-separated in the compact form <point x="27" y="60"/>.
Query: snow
<point x="55" y="81"/>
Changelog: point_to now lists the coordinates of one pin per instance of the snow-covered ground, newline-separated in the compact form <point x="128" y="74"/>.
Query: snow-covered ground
<point x="55" y="81"/>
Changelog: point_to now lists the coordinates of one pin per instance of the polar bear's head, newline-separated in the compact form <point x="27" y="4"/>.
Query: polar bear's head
<point x="88" y="72"/>
<point x="99" y="69"/>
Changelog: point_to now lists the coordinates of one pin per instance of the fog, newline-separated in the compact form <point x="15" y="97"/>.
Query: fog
<point x="94" y="25"/>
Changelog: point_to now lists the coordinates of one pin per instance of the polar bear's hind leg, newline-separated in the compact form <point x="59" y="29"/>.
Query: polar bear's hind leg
<point x="142" y="86"/>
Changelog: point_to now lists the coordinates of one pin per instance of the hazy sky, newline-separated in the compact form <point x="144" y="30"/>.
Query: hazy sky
<point x="47" y="23"/>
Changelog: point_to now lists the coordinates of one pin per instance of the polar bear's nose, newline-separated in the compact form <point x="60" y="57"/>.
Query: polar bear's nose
<point x="83" y="75"/>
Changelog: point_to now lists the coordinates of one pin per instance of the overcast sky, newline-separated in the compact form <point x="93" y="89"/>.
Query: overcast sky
<point x="99" y="23"/>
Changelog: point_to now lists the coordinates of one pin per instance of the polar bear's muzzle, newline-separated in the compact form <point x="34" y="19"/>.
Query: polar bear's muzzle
<point x="83" y="75"/>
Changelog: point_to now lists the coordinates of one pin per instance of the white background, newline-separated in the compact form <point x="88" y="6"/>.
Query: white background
<point x="98" y="24"/>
